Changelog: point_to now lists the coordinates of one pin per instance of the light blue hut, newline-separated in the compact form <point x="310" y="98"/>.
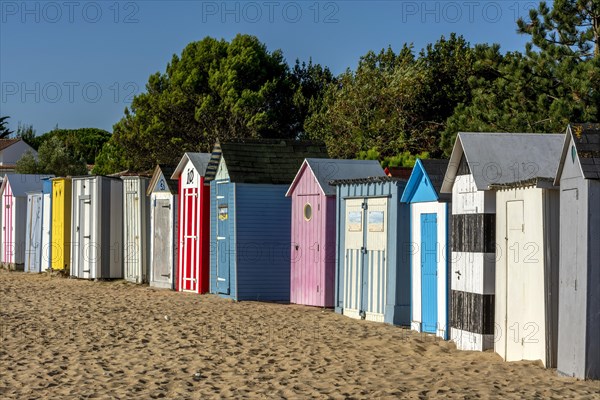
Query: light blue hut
<point x="372" y="279"/>
<point x="429" y="221"/>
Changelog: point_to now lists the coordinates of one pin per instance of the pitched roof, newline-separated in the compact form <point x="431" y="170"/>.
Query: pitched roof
<point x="272" y="161"/>
<point x="4" y="143"/>
<point x="434" y="171"/>
<point x="200" y="161"/>
<point x="20" y="184"/>
<point x="167" y="171"/>
<point x="586" y="138"/>
<point x="497" y="158"/>
<point x="328" y="169"/>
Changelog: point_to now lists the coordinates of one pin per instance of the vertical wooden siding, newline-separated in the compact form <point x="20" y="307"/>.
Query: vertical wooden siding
<point x="262" y="250"/>
<point x="61" y="223"/>
<point x="309" y="239"/>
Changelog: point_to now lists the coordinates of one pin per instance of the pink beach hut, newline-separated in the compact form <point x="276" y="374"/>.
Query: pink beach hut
<point x="314" y="226"/>
<point x="13" y="195"/>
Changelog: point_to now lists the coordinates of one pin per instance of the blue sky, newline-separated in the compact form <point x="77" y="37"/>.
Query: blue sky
<point x="78" y="63"/>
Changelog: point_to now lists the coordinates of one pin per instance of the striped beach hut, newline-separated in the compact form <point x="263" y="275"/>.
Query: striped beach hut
<point x="314" y="225"/>
<point x="527" y="228"/>
<point x="250" y="217"/>
<point x="479" y="160"/>
<point x="579" y="271"/>
<point x="13" y="193"/>
<point x="162" y="191"/>
<point x="97" y="227"/>
<point x="373" y="243"/>
<point x="430" y="214"/>
<point x="61" y="224"/>
<point x="193" y="172"/>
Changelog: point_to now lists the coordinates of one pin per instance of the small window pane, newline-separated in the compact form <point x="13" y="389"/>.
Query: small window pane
<point x="354" y="221"/>
<point x="223" y="212"/>
<point x="375" y="221"/>
<point x="307" y="212"/>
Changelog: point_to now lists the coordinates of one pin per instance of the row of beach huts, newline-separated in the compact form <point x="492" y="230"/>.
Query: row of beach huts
<point x="496" y="248"/>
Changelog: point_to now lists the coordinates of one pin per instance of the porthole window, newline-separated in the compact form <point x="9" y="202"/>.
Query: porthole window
<point x="307" y="212"/>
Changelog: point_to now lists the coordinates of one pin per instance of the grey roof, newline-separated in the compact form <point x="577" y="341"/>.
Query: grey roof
<point x="167" y="171"/>
<point x="497" y="158"/>
<point x="436" y="170"/>
<point x="272" y="161"/>
<point x="20" y="184"/>
<point x="328" y="169"/>
<point x="200" y="161"/>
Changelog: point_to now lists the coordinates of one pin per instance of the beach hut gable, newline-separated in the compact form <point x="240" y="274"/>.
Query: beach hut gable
<point x="313" y="226"/>
<point x="579" y="272"/>
<point x="424" y="184"/>
<point x="161" y="180"/>
<point x="250" y="216"/>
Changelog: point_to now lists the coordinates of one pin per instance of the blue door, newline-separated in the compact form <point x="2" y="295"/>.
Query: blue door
<point x="223" y="237"/>
<point x="429" y="256"/>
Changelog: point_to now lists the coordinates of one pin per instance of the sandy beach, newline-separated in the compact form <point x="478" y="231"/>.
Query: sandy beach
<point x="67" y="338"/>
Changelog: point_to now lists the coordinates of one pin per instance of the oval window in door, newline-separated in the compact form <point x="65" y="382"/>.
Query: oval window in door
<point x="307" y="212"/>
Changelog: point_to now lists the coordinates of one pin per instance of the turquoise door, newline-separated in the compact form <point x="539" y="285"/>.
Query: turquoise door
<point x="429" y="272"/>
<point x="223" y="238"/>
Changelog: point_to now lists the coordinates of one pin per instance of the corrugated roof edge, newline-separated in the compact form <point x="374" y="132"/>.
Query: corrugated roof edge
<point x="370" y="179"/>
<point x="541" y="182"/>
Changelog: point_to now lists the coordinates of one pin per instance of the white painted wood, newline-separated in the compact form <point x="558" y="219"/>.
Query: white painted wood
<point x="473" y="272"/>
<point x="471" y="341"/>
<point x="353" y="265"/>
<point x="135" y="229"/>
<point x="466" y="199"/>
<point x="97" y="228"/>
<point x="162" y="239"/>
<point x="46" y="230"/>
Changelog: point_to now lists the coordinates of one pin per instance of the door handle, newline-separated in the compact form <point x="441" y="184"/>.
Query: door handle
<point x="297" y="247"/>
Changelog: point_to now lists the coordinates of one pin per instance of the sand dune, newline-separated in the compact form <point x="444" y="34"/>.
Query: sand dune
<point x="66" y="338"/>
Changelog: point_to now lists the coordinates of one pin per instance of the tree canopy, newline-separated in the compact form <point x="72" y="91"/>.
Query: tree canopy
<point x="54" y="157"/>
<point x="215" y="89"/>
<point x="4" y="131"/>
